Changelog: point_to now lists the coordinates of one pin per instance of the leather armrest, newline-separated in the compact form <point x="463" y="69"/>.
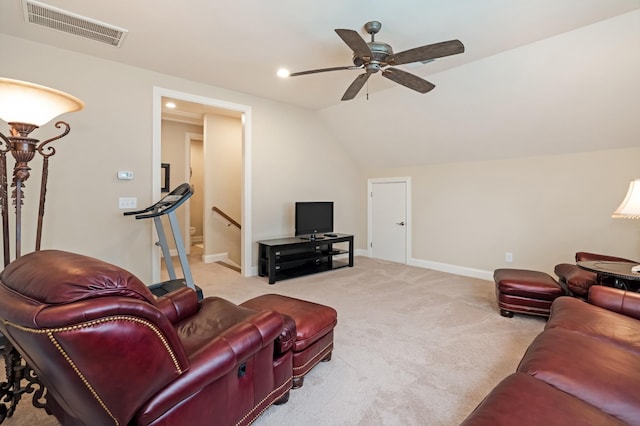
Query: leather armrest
<point x="178" y="304"/>
<point x="613" y="299"/>
<point x="287" y="337"/>
<point x="214" y="359"/>
<point x="254" y="333"/>
<point x="209" y="364"/>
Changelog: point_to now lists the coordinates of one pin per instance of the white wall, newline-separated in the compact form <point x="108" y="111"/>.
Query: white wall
<point x="541" y="209"/>
<point x="114" y="132"/>
<point x="302" y="162"/>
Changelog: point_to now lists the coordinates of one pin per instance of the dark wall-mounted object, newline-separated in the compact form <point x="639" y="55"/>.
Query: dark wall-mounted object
<point x="165" y="176"/>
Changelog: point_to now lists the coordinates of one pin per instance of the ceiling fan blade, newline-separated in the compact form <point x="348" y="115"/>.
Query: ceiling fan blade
<point x="355" y="42"/>
<point x="355" y="86"/>
<point x="295" y="74"/>
<point x="430" y="51"/>
<point x="408" y="80"/>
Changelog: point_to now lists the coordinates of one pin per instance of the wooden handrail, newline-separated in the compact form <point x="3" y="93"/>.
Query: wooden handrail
<point x="226" y="216"/>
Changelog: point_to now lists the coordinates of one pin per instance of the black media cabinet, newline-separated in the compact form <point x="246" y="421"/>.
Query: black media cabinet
<point x="284" y="258"/>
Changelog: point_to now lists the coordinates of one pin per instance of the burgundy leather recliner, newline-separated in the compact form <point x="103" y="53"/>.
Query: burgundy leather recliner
<point x="110" y="353"/>
<point x="578" y="280"/>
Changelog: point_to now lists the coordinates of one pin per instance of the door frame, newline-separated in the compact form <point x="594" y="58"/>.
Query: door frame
<point x="245" y="201"/>
<point x="407" y="181"/>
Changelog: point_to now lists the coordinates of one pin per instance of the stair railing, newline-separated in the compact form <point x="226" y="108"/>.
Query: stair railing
<point x="231" y="220"/>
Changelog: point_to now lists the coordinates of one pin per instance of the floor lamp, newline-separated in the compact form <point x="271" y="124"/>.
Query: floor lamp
<point x="630" y="207"/>
<point x="25" y="107"/>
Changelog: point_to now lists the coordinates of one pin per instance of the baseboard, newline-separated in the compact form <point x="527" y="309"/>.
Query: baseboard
<point x="427" y="264"/>
<point x="453" y="269"/>
<point x="212" y="258"/>
<point x="361" y="252"/>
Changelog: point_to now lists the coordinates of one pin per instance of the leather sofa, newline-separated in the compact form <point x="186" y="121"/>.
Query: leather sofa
<point x="583" y="369"/>
<point x="110" y="353"/>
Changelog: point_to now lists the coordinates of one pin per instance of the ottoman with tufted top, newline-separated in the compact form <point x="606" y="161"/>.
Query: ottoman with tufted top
<point x="524" y="291"/>
<point x="314" y="324"/>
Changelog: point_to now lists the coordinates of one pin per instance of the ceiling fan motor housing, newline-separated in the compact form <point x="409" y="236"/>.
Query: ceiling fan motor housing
<point x="381" y="53"/>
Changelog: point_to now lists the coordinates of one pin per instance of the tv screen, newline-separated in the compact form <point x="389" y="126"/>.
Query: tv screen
<point x="313" y="217"/>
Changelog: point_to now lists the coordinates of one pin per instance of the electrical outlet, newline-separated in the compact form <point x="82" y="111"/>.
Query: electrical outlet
<point x="508" y="257"/>
<point x="127" y="203"/>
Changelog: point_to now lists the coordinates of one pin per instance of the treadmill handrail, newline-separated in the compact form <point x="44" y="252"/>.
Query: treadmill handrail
<point x="166" y="205"/>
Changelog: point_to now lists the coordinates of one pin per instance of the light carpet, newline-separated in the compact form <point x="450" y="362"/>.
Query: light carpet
<point x="412" y="346"/>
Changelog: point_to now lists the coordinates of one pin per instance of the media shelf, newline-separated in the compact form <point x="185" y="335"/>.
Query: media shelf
<point x="284" y="258"/>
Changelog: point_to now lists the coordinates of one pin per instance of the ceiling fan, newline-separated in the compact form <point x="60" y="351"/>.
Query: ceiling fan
<point x="375" y="56"/>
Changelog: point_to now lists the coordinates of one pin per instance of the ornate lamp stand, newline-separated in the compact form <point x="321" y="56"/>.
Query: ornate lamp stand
<point x="23" y="150"/>
<point x="25" y="107"/>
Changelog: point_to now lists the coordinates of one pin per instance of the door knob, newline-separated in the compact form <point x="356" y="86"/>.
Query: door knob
<point x="400" y="223"/>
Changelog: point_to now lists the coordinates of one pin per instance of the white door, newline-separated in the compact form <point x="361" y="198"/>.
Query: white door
<point x="389" y="219"/>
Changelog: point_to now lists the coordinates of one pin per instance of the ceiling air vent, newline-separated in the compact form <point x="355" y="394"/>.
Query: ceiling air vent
<point x="61" y="20"/>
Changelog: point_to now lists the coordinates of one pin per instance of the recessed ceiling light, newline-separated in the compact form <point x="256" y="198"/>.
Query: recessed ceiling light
<point x="283" y="72"/>
<point x="170" y="105"/>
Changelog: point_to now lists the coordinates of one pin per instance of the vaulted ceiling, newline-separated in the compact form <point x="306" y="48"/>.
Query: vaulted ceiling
<point x="518" y="55"/>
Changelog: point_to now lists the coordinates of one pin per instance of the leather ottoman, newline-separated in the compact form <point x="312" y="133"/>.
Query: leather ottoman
<point x="314" y="324"/>
<point x="524" y="291"/>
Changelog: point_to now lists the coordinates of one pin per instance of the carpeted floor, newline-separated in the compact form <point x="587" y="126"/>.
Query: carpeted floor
<point x="412" y="346"/>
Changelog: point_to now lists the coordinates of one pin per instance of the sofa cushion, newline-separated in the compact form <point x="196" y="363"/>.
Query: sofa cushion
<point x="579" y="316"/>
<point x="218" y="317"/>
<point x="577" y="279"/>
<point x="522" y="400"/>
<point x="602" y="374"/>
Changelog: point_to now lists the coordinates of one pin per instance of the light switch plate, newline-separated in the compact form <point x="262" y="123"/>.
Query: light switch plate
<point x="127" y="203"/>
<point x="125" y="175"/>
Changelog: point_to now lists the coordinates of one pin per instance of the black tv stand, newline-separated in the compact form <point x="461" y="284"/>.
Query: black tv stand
<point x="292" y="257"/>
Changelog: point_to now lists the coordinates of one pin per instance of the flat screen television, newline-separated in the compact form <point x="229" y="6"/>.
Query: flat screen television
<point x="313" y="218"/>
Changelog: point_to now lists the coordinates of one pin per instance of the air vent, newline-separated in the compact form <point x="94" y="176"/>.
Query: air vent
<point x="61" y="20"/>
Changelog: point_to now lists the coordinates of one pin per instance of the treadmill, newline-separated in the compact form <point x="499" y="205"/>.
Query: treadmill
<point x="167" y="206"/>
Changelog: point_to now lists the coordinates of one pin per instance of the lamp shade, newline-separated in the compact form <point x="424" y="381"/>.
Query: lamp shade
<point x="22" y="102"/>
<point x="630" y="207"/>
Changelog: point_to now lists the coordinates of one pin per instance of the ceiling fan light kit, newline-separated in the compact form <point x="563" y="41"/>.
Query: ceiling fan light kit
<point x="377" y="56"/>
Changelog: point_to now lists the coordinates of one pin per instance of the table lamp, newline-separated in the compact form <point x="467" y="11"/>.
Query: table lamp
<point x="26" y="106"/>
<point x="630" y="207"/>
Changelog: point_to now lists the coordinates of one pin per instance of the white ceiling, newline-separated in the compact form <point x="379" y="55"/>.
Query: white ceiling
<point x="240" y="44"/>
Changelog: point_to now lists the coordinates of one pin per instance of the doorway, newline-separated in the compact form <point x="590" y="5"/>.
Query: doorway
<point x="222" y="107"/>
<point x="389" y="219"/>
